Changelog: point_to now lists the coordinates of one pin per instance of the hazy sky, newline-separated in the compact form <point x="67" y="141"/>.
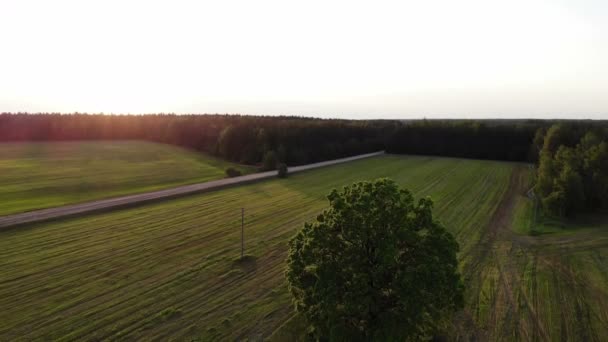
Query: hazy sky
<point x="373" y="59"/>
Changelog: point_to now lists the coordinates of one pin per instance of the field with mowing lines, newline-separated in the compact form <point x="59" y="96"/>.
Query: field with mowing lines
<point x="545" y="279"/>
<point x="42" y="175"/>
<point x="170" y="269"/>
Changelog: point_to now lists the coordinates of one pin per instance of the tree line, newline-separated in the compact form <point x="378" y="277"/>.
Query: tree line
<point x="573" y="168"/>
<point x="239" y="138"/>
<point x="292" y="140"/>
<point x="487" y="139"/>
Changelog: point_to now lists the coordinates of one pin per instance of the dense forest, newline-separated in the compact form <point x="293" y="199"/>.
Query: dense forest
<point x="244" y="139"/>
<point x="293" y="140"/>
<point x="467" y="139"/>
<point x="298" y="140"/>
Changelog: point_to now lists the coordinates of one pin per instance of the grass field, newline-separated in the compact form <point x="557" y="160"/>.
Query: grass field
<point x="171" y="269"/>
<point x="42" y="175"/>
<point x="551" y="278"/>
<point x="534" y="278"/>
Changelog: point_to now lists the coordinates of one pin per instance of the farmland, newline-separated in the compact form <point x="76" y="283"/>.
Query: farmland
<point x="171" y="269"/>
<point x="546" y="279"/>
<point x="41" y="175"/>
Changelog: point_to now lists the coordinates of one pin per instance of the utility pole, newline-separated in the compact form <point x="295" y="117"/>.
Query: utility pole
<point x="242" y="231"/>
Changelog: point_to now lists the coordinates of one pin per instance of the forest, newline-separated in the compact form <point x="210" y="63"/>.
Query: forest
<point x="238" y="138"/>
<point x="294" y="140"/>
<point x="482" y="139"/>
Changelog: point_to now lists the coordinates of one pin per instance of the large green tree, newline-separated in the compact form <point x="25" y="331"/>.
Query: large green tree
<point x="375" y="265"/>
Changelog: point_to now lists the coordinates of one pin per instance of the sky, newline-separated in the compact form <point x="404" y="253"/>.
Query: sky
<point x="346" y="59"/>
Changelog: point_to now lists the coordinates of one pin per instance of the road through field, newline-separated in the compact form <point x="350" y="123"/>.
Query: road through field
<point x="53" y="213"/>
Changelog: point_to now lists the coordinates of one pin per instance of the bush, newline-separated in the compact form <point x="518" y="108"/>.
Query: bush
<point x="232" y="172"/>
<point x="282" y="170"/>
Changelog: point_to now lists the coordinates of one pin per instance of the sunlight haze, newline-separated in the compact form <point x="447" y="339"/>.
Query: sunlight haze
<point x="348" y="59"/>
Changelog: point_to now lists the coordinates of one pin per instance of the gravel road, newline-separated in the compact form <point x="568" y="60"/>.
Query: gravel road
<point x="112" y="203"/>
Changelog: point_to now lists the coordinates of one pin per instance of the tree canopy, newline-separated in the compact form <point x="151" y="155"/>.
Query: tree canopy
<point x="374" y="265"/>
<point x="573" y="170"/>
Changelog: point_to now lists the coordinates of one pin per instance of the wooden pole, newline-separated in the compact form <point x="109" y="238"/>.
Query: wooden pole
<point x="242" y="231"/>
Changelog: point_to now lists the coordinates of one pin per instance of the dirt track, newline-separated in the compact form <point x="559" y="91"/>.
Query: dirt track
<point x="487" y="258"/>
<point x="533" y="288"/>
<point x="112" y="203"/>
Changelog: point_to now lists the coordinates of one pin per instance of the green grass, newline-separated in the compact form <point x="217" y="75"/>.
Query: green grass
<point x="42" y="175"/>
<point x="523" y="218"/>
<point x="559" y="279"/>
<point x="545" y="279"/>
<point x="171" y="269"/>
<point x="528" y="220"/>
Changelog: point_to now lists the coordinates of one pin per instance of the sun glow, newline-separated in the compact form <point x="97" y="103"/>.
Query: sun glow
<point x="338" y="58"/>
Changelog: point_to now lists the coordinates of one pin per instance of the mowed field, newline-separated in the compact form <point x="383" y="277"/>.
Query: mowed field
<point x="171" y="269"/>
<point x="545" y="279"/>
<point x="536" y="279"/>
<point x="42" y="175"/>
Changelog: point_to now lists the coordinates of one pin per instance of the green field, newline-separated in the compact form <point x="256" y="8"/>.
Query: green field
<point x="554" y="277"/>
<point x="42" y="175"/>
<point x="168" y="269"/>
<point x="171" y="269"/>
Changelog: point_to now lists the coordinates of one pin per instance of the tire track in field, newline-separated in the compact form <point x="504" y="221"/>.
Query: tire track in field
<point x="485" y="252"/>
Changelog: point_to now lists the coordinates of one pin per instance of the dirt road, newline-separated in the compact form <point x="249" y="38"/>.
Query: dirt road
<point x="112" y="203"/>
